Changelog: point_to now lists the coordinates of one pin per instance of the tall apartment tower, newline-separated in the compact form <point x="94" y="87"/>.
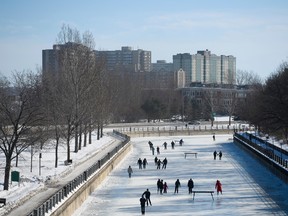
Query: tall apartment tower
<point x="184" y="62"/>
<point x="126" y="59"/>
<point x="206" y="68"/>
<point x="50" y="60"/>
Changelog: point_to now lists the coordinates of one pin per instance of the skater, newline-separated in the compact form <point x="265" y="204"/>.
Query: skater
<point x="142" y="204"/>
<point x="172" y="144"/>
<point x="161" y="185"/>
<point x="144" y="163"/>
<point x="190" y="186"/>
<point x="158" y="185"/>
<point x="165" y="187"/>
<point x="177" y="185"/>
<point x="220" y="155"/>
<point x="165" y="145"/>
<point x="181" y="142"/>
<point x="147" y="195"/>
<point x="152" y="149"/>
<point x="150" y="145"/>
<point x="215" y="154"/>
<point x="156" y="160"/>
<point x="164" y="163"/>
<point x="218" y="187"/>
<point x="130" y="171"/>
<point x="213" y="137"/>
<point x="159" y="164"/>
<point x="139" y="162"/>
<point x="158" y="150"/>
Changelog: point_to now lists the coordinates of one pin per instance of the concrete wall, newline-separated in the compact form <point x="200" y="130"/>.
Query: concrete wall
<point x="76" y="200"/>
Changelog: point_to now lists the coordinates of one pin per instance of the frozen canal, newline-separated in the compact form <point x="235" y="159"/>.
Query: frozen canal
<point x="248" y="187"/>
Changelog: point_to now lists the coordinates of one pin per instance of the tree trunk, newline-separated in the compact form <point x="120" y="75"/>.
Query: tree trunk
<point x="76" y="139"/>
<point x="80" y="137"/>
<point x="85" y="136"/>
<point x="68" y="147"/>
<point x="90" y="134"/>
<point x="56" y="152"/>
<point x="7" y="173"/>
<point x="98" y="131"/>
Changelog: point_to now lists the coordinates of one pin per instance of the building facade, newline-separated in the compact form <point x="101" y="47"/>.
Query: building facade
<point x="126" y="59"/>
<point x="206" y="68"/>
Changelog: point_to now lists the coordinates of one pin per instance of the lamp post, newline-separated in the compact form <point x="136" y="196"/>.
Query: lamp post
<point x="40" y="156"/>
<point x="281" y="144"/>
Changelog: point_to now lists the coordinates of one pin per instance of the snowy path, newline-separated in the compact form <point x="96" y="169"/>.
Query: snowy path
<point x="248" y="188"/>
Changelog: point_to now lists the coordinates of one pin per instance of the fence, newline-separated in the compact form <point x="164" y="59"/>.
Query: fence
<point x="67" y="189"/>
<point x="178" y="130"/>
<point x="274" y="156"/>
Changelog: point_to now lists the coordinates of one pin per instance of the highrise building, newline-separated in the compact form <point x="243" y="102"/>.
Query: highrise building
<point x="126" y="59"/>
<point x="162" y="66"/>
<point x="206" y="68"/>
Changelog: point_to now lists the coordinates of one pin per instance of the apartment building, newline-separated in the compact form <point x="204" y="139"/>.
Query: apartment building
<point x="206" y="68"/>
<point x="126" y="59"/>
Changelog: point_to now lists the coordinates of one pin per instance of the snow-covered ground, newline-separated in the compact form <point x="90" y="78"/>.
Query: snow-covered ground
<point x="248" y="187"/>
<point x="33" y="182"/>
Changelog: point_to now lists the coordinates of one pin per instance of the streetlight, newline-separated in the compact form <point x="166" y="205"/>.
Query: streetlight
<point x="281" y="144"/>
<point x="40" y="156"/>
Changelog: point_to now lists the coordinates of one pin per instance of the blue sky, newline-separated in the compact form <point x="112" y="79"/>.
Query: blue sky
<point x="254" y="31"/>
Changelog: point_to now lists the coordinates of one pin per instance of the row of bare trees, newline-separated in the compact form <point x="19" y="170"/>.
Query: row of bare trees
<point x="267" y="105"/>
<point x="63" y="106"/>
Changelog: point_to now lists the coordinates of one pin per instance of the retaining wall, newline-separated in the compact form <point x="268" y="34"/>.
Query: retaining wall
<point x="76" y="199"/>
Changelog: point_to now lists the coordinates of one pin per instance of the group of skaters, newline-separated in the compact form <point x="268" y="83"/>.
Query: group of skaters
<point x="219" y="154"/>
<point x="158" y="163"/>
<point x="162" y="186"/>
<point x="162" y="189"/>
<point x="142" y="163"/>
<point x="165" y="144"/>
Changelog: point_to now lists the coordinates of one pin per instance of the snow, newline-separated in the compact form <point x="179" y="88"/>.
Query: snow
<point x="32" y="183"/>
<point x="248" y="187"/>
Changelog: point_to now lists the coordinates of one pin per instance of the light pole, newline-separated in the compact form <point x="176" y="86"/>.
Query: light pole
<point x="40" y="156"/>
<point x="281" y="144"/>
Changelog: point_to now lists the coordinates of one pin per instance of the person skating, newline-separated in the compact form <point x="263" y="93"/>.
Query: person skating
<point x="144" y="163"/>
<point x="213" y="137"/>
<point x="218" y="187"/>
<point x="190" y="185"/>
<point x="181" y="142"/>
<point x="159" y="164"/>
<point x="153" y="150"/>
<point x="130" y="171"/>
<point x="177" y="185"/>
<point x="172" y="144"/>
<point x="165" y="187"/>
<point x="220" y="155"/>
<point x="161" y="186"/>
<point x="139" y="162"/>
<point x="164" y="163"/>
<point x="155" y="160"/>
<point x="150" y="145"/>
<point x="142" y="204"/>
<point x="158" y="185"/>
<point x="215" y="154"/>
<point x="147" y="195"/>
<point x="165" y="145"/>
<point x="158" y="150"/>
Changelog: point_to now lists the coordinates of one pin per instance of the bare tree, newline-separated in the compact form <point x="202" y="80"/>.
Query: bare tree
<point x="20" y="115"/>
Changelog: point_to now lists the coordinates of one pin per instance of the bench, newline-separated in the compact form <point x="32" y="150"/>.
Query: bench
<point x="193" y="153"/>
<point x="2" y="201"/>
<point x="211" y="192"/>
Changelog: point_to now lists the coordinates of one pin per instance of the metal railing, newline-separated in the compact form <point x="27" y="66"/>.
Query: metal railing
<point x="67" y="189"/>
<point x="273" y="152"/>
